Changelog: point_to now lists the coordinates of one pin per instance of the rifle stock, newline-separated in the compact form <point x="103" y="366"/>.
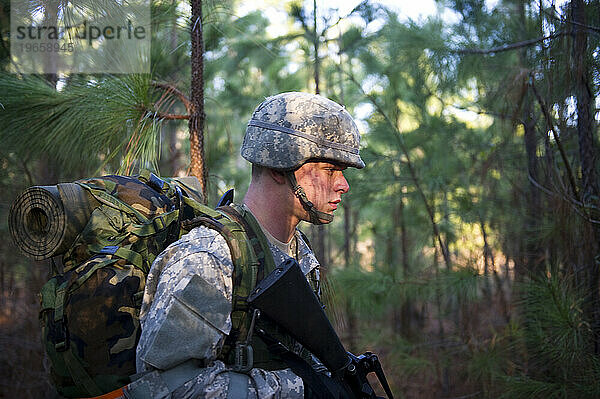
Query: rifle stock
<point x="286" y="298"/>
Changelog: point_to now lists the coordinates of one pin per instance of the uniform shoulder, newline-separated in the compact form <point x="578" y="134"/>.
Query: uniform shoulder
<point x="303" y="238"/>
<point x="199" y="240"/>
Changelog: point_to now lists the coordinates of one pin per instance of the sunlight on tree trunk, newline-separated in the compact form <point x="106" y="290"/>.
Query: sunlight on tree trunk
<point x="197" y="116"/>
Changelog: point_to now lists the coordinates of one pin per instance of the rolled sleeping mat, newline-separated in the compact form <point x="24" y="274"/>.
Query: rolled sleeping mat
<point x="45" y="220"/>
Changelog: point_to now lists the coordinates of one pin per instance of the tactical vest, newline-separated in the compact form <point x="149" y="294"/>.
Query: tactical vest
<point x="90" y="309"/>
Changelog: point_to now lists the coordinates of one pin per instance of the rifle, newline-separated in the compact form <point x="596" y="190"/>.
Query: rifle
<point x="287" y="299"/>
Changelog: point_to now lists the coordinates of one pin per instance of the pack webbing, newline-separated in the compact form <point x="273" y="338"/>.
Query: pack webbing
<point x="80" y="377"/>
<point x="155" y="225"/>
<point x="259" y="241"/>
<point x="111" y="201"/>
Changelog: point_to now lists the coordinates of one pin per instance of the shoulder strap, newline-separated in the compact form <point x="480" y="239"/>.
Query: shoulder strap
<point x="245" y="277"/>
<point x="233" y="232"/>
<point x="251" y="255"/>
<point x="255" y="235"/>
<point x="249" y="249"/>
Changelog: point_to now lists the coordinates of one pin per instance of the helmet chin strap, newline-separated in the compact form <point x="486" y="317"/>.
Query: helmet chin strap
<point x="316" y="216"/>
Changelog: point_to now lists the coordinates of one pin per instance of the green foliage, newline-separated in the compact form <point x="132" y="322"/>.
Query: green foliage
<point x="442" y="117"/>
<point x="37" y="120"/>
<point x="376" y="292"/>
<point x="548" y="353"/>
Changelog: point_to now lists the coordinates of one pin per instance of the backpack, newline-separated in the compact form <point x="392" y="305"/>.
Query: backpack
<point x="90" y="310"/>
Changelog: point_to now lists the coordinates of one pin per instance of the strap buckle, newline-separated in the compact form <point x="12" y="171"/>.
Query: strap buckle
<point x="244" y="354"/>
<point x="159" y="223"/>
<point x="244" y="358"/>
<point x="62" y="336"/>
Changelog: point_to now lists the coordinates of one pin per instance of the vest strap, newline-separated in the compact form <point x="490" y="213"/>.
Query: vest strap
<point x="256" y="237"/>
<point x="259" y="249"/>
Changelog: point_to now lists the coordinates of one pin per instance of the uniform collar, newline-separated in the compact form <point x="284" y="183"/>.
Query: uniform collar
<point x="305" y="257"/>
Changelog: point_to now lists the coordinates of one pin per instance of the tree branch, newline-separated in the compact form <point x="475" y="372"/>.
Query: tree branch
<point x="563" y="19"/>
<point x="160" y="115"/>
<point x="170" y="89"/>
<point x="575" y="205"/>
<point x="411" y="169"/>
<point x="550" y="125"/>
<point x="477" y="111"/>
<point x="508" y="47"/>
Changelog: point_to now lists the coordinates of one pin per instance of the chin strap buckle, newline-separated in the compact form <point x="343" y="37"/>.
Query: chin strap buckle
<point x="316" y="216"/>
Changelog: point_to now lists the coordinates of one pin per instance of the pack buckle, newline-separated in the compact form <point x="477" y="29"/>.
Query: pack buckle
<point x="244" y="358"/>
<point x="244" y="354"/>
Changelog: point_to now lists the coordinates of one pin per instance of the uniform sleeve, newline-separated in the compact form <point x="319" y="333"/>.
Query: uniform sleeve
<point x="186" y="314"/>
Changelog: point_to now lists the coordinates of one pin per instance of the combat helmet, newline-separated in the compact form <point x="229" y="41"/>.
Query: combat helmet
<point x="289" y="129"/>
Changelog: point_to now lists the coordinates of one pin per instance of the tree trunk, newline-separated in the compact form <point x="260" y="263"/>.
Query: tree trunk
<point x="487" y="256"/>
<point x="443" y="372"/>
<point x="316" y="47"/>
<point x="406" y="310"/>
<point x="171" y="127"/>
<point x="197" y="116"/>
<point x="585" y="105"/>
<point x="51" y="8"/>
<point x="588" y="158"/>
<point x="532" y="203"/>
<point x="489" y="260"/>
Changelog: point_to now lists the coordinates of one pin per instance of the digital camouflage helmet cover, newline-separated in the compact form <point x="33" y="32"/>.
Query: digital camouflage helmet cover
<point x="289" y="129"/>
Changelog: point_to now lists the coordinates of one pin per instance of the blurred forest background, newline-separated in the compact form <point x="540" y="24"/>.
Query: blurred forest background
<point x="467" y="252"/>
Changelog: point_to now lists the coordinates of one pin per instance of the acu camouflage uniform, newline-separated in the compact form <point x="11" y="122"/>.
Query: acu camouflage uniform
<point x="188" y="300"/>
<point x="186" y="314"/>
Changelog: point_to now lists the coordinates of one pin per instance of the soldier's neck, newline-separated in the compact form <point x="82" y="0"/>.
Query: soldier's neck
<point x="272" y="212"/>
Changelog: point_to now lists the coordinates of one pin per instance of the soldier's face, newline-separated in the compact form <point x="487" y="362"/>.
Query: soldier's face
<point x="324" y="184"/>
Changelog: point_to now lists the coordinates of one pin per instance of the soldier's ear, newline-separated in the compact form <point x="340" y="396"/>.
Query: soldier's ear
<point x="278" y="176"/>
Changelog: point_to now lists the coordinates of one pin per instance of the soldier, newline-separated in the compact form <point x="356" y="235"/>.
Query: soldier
<point x="299" y="145"/>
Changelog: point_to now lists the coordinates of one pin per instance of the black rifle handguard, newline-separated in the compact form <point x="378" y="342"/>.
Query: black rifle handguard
<point x="285" y="297"/>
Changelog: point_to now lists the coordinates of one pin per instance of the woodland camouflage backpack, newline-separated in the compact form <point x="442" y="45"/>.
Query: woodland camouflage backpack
<point x="90" y="310"/>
